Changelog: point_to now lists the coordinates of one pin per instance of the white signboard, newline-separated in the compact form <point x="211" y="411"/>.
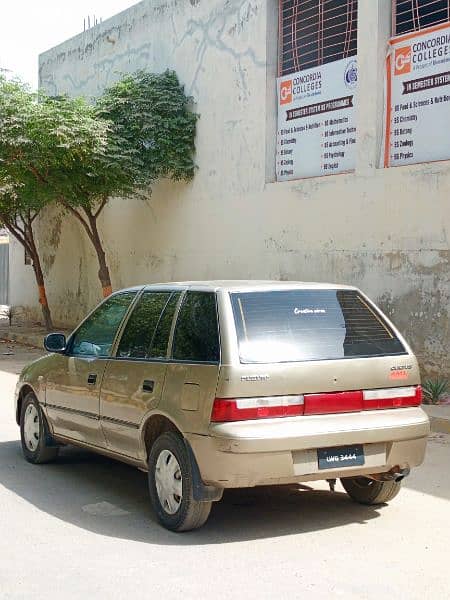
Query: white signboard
<point x="417" y="125"/>
<point x="317" y="121"/>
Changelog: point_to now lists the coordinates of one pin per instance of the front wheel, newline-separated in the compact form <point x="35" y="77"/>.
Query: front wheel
<point x="369" y="491"/>
<point x="170" y="485"/>
<point x="34" y="433"/>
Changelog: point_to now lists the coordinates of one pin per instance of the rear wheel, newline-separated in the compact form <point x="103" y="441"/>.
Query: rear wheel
<point x="170" y="485"/>
<point x="36" y="442"/>
<point x="369" y="491"/>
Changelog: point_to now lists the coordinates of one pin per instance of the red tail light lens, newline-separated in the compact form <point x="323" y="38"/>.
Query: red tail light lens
<point x="243" y="409"/>
<point x="337" y="402"/>
<point x="400" y="397"/>
<point x="318" y="404"/>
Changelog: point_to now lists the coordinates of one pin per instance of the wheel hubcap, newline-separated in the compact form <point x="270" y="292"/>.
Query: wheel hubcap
<point x="169" y="482"/>
<point x="31" y="428"/>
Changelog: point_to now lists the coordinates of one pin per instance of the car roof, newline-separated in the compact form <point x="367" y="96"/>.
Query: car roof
<point x="244" y="285"/>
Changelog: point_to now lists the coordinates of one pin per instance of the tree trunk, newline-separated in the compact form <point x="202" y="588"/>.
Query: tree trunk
<point x="103" y="270"/>
<point x="42" y="293"/>
<point x="38" y="273"/>
<point x="22" y="229"/>
<point x="88" y="219"/>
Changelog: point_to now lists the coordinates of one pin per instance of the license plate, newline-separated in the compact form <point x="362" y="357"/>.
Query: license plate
<point x="344" y="456"/>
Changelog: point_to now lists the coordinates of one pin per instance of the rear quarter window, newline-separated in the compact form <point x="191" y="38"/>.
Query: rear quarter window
<point x="140" y="330"/>
<point x="306" y="325"/>
<point x="196" y="337"/>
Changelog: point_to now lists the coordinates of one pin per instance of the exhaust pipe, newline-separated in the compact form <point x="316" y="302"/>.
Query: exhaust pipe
<point x="395" y="474"/>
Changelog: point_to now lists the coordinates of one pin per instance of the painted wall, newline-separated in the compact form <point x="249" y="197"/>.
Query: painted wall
<point x="4" y="269"/>
<point x="385" y="231"/>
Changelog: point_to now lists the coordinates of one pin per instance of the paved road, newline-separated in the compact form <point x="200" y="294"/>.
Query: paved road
<point x="82" y="527"/>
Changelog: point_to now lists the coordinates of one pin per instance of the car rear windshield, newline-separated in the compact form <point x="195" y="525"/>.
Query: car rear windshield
<point x="306" y="325"/>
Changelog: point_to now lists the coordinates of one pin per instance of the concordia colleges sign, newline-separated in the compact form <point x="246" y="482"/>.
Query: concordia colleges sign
<point x="417" y="122"/>
<point x="317" y="121"/>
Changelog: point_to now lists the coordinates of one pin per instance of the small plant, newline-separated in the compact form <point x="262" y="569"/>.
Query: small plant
<point x="434" y="390"/>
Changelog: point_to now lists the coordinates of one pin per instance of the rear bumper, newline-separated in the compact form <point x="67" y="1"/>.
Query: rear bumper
<point x="278" y="451"/>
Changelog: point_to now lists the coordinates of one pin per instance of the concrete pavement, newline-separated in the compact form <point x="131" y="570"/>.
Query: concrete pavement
<point x="83" y="527"/>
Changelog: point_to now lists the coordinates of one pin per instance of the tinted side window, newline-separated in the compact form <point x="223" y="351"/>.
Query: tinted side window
<point x="96" y="335"/>
<point x="140" y="328"/>
<point x="162" y="333"/>
<point x="196" y="335"/>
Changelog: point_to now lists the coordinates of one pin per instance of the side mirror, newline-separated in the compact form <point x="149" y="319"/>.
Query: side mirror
<point x="55" y="342"/>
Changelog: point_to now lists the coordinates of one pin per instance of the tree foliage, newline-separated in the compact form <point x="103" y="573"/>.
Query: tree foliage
<point x="151" y="135"/>
<point x="151" y="113"/>
<point x="41" y="139"/>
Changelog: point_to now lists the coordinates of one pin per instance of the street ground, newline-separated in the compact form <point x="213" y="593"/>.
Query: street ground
<point x="83" y="527"/>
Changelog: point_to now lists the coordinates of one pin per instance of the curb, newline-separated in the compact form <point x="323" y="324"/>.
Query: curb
<point x="440" y="425"/>
<point x="439" y="416"/>
<point x="28" y="337"/>
<point x="24" y="339"/>
<point x="32" y="340"/>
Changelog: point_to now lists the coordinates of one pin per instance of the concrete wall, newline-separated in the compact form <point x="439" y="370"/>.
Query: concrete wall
<point x="383" y="230"/>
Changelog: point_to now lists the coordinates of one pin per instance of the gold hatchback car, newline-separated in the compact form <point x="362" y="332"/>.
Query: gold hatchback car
<point x="221" y="384"/>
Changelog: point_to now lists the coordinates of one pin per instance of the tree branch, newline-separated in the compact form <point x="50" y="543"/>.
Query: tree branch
<point x="101" y="207"/>
<point x="89" y="213"/>
<point x="36" y="173"/>
<point x="78" y="216"/>
<point x="18" y="233"/>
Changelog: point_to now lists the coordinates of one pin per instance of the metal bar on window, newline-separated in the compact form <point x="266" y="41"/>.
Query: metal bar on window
<point x="294" y="36"/>
<point x="416" y="15"/>
<point x="315" y="32"/>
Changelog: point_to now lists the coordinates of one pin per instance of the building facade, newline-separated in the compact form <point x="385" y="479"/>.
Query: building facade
<point x="312" y="165"/>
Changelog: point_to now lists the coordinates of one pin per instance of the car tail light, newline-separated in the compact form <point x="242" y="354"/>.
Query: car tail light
<point x="399" y="397"/>
<point x="243" y="409"/>
<point x="334" y="402"/>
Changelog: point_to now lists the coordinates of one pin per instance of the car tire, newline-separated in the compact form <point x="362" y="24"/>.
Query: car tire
<point x="170" y="485"/>
<point x="36" y="441"/>
<point x="369" y="491"/>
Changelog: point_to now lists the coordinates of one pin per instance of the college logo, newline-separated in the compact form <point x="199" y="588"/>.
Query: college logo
<point x="286" y="92"/>
<point x="403" y="60"/>
<point x="351" y="74"/>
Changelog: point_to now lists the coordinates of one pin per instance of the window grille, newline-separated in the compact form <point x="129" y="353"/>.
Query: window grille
<point x="415" y="15"/>
<point x="316" y="32"/>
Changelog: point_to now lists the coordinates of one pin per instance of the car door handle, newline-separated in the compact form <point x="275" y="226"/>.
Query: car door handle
<point x="92" y="378"/>
<point x="148" y="386"/>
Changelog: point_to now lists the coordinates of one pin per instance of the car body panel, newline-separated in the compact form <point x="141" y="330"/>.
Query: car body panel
<point x="242" y="381"/>
<point x="124" y="403"/>
<point x="233" y="470"/>
<point x="32" y="378"/>
<point x="319" y="431"/>
<point x="251" y="453"/>
<point x="188" y="395"/>
<point x="72" y="403"/>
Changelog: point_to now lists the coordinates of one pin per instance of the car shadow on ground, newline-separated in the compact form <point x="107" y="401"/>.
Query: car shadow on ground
<point x="110" y="498"/>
